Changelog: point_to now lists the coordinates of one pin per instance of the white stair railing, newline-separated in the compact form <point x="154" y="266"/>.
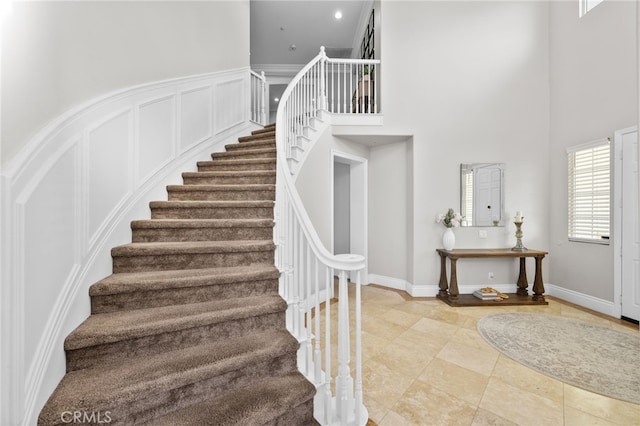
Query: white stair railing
<point x="259" y="99"/>
<point x="307" y="267"/>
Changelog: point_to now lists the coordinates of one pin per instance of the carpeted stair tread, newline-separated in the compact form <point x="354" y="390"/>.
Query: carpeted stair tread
<point x="201" y="223"/>
<point x="161" y="373"/>
<point x="112" y="327"/>
<point x="230" y="174"/>
<point x="157" y="230"/>
<point x="260" y="177"/>
<point x="261" y="404"/>
<point x="234" y="204"/>
<point x="239" y="187"/>
<point x="222" y="192"/>
<point x="256" y="143"/>
<point x="257" y="137"/>
<point x="161" y="280"/>
<point x="211" y="209"/>
<point x="248" y="163"/>
<point x="266" y="129"/>
<point x="246" y="153"/>
<point x="190" y="247"/>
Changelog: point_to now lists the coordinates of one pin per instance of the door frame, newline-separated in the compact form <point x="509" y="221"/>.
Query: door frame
<point x="617" y="217"/>
<point x="359" y="197"/>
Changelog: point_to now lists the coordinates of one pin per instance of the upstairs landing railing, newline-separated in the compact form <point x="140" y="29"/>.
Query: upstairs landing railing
<point x="308" y="269"/>
<point x="259" y="101"/>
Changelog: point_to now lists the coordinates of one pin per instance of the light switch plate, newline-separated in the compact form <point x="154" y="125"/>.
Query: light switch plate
<point x="482" y="233"/>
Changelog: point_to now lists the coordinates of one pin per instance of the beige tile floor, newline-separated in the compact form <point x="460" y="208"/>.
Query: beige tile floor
<point x="425" y="364"/>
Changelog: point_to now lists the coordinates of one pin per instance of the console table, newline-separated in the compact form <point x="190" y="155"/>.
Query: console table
<point x="449" y="291"/>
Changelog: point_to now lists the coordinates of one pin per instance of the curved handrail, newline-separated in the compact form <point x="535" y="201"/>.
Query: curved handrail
<point x="308" y="268"/>
<point x="352" y="263"/>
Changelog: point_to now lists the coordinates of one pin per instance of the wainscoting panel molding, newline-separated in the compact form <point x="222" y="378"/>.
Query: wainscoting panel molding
<point x="229" y="95"/>
<point x="68" y="197"/>
<point x="195" y="117"/>
<point x="156" y="136"/>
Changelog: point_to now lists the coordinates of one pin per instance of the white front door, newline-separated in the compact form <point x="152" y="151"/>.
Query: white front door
<point x="630" y="228"/>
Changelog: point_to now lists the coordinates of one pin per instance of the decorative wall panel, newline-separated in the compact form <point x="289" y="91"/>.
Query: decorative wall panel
<point x="70" y="195"/>
<point x="195" y="117"/>
<point x="156" y="136"/>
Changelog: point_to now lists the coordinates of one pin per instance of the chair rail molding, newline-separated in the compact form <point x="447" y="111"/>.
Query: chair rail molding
<point x="69" y="196"/>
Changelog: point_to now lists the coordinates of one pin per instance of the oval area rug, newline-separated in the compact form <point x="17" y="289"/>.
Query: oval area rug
<point x="594" y="358"/>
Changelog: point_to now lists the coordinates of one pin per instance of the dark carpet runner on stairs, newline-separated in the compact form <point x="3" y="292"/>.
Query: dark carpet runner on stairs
<point x="189" y="329"/>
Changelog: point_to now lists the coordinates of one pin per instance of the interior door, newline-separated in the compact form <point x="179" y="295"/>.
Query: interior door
<point x="630" y="228"/>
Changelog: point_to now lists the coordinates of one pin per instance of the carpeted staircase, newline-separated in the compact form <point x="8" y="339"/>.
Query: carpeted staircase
<point x="190" y="329"/>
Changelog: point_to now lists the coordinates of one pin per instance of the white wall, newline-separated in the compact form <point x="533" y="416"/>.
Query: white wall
<point x="388" y="206"/>
<point x="594" y="91"/>
<point x="469" y="81"/>
<point x="68" y="195"/>
<point x="57" y="55"/>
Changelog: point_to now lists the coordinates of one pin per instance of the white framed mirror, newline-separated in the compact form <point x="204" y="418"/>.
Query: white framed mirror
<point x="482" y="194"/>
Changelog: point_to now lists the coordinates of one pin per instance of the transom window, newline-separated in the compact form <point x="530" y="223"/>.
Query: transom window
<point x="587" y="5"/>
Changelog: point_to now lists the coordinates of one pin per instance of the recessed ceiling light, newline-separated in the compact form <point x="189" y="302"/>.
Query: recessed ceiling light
<point x="276" y="99"/>
<point x="338" y="15"/>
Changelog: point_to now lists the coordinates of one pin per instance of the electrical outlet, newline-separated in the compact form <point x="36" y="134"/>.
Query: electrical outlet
<point x="490" y="275"/>
<point x="482" y="233"/>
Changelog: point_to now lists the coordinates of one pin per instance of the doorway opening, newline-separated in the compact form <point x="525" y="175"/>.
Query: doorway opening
<point x="349" y="198"/>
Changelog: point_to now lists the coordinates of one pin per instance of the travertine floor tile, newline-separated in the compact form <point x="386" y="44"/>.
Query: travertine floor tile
<point x="487" y="418"/>
<point x="574" y="417"/>
<point x="479" y="360"/>
<point x="609" y="409"/>
<point x="527" y="379"/>
<point x="426" y="405"/>
<point x="520" y="406"/>
<point x="407" y="362"/>
<point x="455" y="380"/>
<point x="383" y="384"/>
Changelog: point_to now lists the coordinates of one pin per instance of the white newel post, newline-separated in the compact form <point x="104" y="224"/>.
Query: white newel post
<point x="323" y="79"/>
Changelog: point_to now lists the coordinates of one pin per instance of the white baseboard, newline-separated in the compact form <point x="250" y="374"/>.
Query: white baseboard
<point x="395" y="283"/>
<point x="431" y="290"/>
<point x="595" y="304"/>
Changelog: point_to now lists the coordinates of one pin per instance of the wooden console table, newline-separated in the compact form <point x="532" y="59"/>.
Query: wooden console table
<point x="449" y="292"/>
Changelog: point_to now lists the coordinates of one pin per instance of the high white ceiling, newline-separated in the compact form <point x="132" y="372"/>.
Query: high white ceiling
<point x="307" y="24"/>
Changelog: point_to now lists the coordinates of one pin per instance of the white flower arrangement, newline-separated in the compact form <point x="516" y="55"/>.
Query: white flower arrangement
<point x="451" y="219"/>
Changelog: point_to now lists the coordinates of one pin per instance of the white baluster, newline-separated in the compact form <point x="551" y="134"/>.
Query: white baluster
<point x="317" y="356"/>
<point x="323" y="73"/>
<point x="358" y="387"/>
<point x="344" y="382"/>
<point x="309" y="320"/>
<point x="327" y="339"/>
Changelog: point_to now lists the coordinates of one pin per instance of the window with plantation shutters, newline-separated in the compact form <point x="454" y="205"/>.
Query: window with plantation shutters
<point x="589" y="201"/>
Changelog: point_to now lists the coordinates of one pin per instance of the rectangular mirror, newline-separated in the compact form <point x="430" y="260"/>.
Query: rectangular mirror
<point x="482" y="194"/>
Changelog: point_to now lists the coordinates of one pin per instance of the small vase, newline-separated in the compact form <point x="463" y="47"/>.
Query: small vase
<point x="448" y="239"/>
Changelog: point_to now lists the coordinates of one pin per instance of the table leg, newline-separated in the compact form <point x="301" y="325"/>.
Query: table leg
<point x="538" y="285"/>
<point x="443" y="277"/>
<point x="522" y="279"/>
<point x="453" y="284"/>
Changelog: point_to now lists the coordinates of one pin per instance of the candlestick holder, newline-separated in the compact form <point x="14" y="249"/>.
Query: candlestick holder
<point x="519" y="246"/>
